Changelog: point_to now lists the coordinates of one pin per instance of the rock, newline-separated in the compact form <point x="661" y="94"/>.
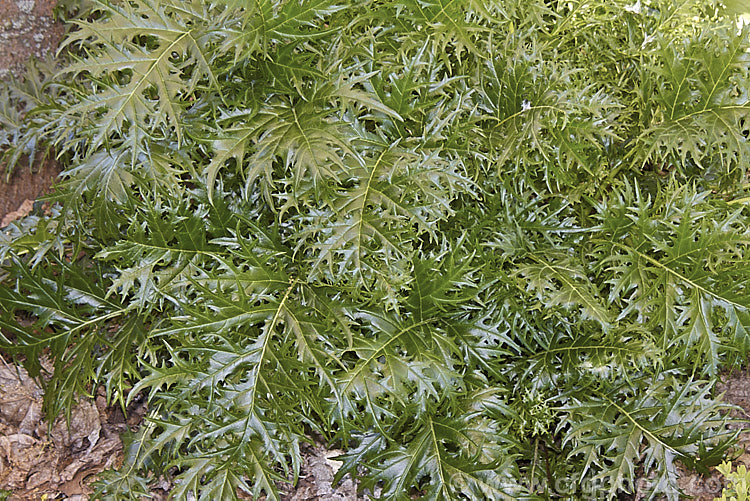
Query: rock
<point x="27" y="28"/>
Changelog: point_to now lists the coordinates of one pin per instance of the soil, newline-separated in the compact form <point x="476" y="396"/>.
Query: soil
<point x="26" y="185"/>
<point x="35" y="464"/>
<point x="27" y="29"/>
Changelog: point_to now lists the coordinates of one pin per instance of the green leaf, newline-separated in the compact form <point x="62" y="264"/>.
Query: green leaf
<point x="649" y="426"/>
<point x="559" y="281"/>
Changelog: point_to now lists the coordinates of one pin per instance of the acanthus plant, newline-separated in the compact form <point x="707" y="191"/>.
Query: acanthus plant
<point x="482" y="246"/>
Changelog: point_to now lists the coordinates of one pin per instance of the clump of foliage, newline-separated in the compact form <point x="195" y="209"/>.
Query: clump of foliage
<point x="483" y="246"/>
<point x="738" y="488"/>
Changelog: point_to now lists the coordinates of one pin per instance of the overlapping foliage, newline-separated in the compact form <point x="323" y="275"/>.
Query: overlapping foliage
<point x="491" y="249"/>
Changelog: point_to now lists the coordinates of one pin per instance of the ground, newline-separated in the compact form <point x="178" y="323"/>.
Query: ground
<point x="35" y="463"/>
<point x="27" y="28"/>
<point x="57" y="462"/>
